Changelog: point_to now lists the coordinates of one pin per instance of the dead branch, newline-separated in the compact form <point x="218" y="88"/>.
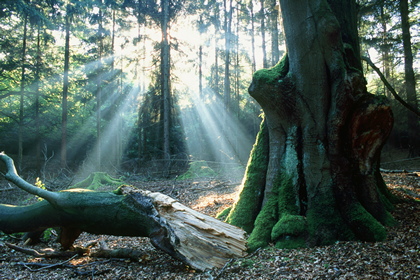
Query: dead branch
<point x="390" y="88"/>
<point x="47" y="253"/>
<point x="198" y="240"/>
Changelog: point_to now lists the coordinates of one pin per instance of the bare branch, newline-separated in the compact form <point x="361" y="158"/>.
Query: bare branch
<point x="390" y="88"/>
<point x="12" y="176"/>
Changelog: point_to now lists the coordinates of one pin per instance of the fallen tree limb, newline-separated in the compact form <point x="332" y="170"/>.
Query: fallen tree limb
<point x="198" y="240"/>
<point x="46" y="266"/>
<point x="46" y="253"/>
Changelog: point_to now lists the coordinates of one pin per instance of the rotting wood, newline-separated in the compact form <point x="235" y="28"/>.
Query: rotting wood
<point x="200" y="241"/>
<point x="206" y="242"/>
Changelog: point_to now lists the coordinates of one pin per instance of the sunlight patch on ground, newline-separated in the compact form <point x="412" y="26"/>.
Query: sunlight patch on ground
<point x="214" y="200"/>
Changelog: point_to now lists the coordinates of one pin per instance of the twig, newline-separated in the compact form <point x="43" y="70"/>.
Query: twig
<point x="223" y="268"/>
<point x="48" y="254"/>
<point x="48" y="266"/>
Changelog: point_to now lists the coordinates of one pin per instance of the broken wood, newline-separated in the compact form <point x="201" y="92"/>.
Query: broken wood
<point x="198" y="240"/>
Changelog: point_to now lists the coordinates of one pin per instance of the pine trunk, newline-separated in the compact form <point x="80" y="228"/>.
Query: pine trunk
<point x="410" y="81"/>
<point x="65" y="94"/>
<point x="165" y="73"/>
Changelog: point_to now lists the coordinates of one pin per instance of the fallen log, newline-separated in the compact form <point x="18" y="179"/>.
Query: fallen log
<point x="198" y="240"/>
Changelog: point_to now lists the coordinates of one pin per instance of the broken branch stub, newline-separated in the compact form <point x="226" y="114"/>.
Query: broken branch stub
<point x="201" y="240"/>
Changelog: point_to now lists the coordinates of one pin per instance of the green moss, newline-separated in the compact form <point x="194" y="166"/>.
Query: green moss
<point x="265" y="221"/>
<point x="364" y="225"/>
<point x="97" y="180"/>
<point x="223" y="214"/>
<point x="289" y="225"/>
<point x="245" y="210"/>
<point x="287" y="196"/>
<point x="325" y="223"/>
<point x="198" y="169"/>
<point x="388" y="220"/>
<point x="273" y="74"/>
<point x="387" y="198"/>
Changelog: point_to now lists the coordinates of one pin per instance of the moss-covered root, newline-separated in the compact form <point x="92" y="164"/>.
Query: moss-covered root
<point x="222" y="215"/>
<point x="264" y="223"/>
<point x="245" y="210"/>
<point x="363" y="224"/>
<point x="290" y="232"/>
<point x="97" y="180"/>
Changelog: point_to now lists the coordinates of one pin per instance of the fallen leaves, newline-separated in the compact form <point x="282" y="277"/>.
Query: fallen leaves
<point x="395" y="258"/>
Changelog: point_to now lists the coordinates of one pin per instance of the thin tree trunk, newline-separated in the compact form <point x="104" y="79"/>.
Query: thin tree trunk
<point x="385" y="52"/>
<point x="22" y="93"/>
<point x="99" y="93"/>
<point x="216" y="51"/>
<point x="200" y="62"/>
<point x="274" y="16"/>
<point x="410" y="81"/>
<point x="228" y="35"/>
<point x="64" y="109"/>
<point x="253" y="62"/>
<point x="264" y="48"/>
<point x="237" y="70"/>
<point x="165" y="73"/>
<point x="216" y="66"/>
<point x="37" y="106"/>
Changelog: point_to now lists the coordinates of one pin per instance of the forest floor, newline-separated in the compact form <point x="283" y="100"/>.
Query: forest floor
<point x="398" y="257"/>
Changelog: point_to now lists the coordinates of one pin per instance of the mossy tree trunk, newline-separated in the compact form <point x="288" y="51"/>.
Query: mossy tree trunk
<point x="313" y="175"/>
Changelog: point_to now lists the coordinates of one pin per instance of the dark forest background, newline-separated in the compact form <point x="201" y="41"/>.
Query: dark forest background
<point x="142" y="86"/>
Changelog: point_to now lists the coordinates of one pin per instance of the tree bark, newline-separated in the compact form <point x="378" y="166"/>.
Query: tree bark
<point x="198" y="240"/>
<point x="37" y="102"/>
<point x="274" y="31"/>
<point x="410" y="81"/>
<point x="22" y="92"/>
<point x="165" y="74"/>
<point x="252" y="14"/>
<point x="263" y="46"/>
<point x="64" y="109"/>
<point x="321" y="181"/>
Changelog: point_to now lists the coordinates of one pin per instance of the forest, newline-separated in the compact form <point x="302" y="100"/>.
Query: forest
<point x="165" y="96"/>
<point x="114" y="85"/>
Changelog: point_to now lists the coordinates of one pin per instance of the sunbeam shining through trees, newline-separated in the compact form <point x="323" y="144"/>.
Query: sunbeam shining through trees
<point x="120" y="84"/>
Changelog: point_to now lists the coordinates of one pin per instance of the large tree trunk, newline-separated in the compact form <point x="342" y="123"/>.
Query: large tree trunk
<point x="198" y="240"/>
<point x="313" y="174"/>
